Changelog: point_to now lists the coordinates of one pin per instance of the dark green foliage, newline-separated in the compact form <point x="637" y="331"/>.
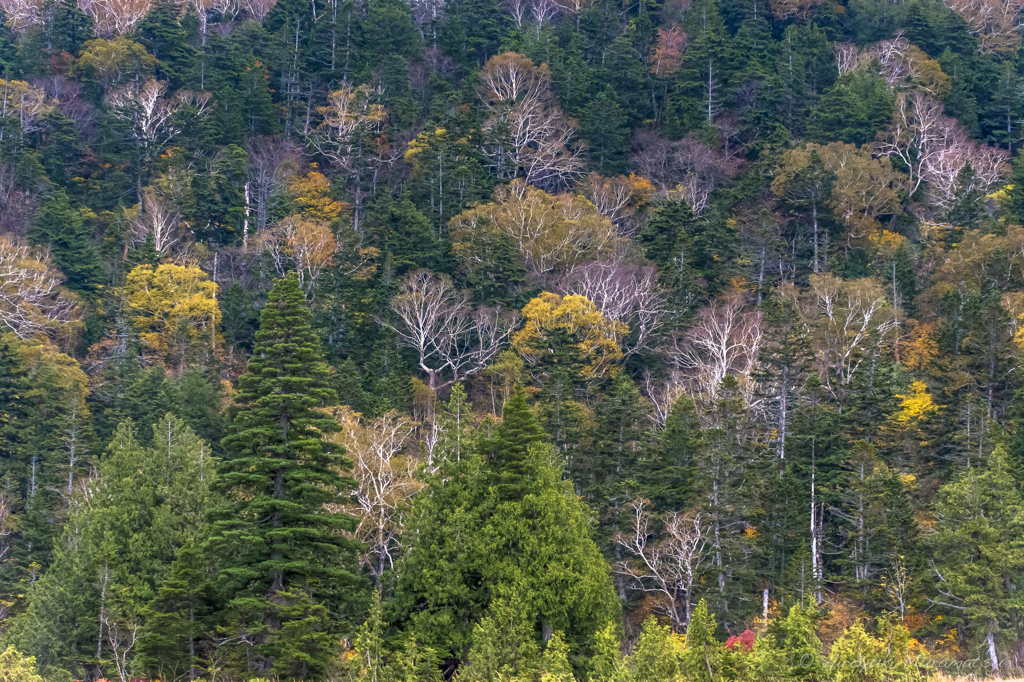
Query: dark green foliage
<point x="966" y="210"/>
<point x="501" y="527"/>
<point x="166" y="39"/>
<point x="609" y="474"/>
<point x="510" y="463"/>
<point x="666" y="473"/>
<point x="604" y="126"/>
<point x="180" y="615"/>
<point x="71" y="241"/>
<point x="404" y="235"/>
<point x="853" y="110"/>
<point x="276" y="466"/>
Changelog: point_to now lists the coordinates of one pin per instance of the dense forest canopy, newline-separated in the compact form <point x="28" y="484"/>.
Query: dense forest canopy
<point x="511" y="340"/>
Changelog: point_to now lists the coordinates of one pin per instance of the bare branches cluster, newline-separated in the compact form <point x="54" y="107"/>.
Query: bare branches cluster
<point x="689" y="168"/>
<point x="724" y="340"/>
<point x="31" y="299"/>
<point x="622" y="293"/>
<point x="349" y="135"/>
<point x="24" y="103"/>
<point x="851" y="319"/>
<point x="272" y="162"/>
<point x="995" y="22"/>
<point x="158" y="221"/>
<point x="386" y="480"/>
<point x="22" y="14"/>
<point x="307" y="245"/>
<point x="620" y="199"/>
<point x="115" y="17"/>
<point x="541" y="12"/>
<point x="150" y="115"/>
<point x="934" y="147"/>
<point x="668" y="567"/>
<point x="554" y="233"/>
<point x="528" y="135"/>
<point x="453" y="339"/>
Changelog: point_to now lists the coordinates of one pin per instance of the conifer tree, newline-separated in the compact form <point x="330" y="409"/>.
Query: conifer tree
<point x="511" y="466"/>
<point x="502" y="525"/>
<point x="71" y="242"/>
<point x="978" y="551"/>
<point x="273" y="530"/>
<point x="619" y="440"/>
<point x="604" y="126"/>
<point x="666" y="473"/>
<point x="178" y="617"/>
<point x="702" y="657"/>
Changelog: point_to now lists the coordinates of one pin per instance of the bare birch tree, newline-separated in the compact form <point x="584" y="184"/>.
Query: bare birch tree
<point x="150" y="118"/>
<point x="452" y="339"/>
<point x="623" y="293"/>
<point x="386" y="478"/>
<point x="725" y="339"/>
<point x="528" y="135"/>
<point x="31" y="299"/>
<point x="669" y="567"/>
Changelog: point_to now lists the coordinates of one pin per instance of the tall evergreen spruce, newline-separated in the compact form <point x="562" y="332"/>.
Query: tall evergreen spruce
<point x="278" y="543"/>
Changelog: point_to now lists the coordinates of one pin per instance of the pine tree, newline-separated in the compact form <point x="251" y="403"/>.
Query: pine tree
<point x="405" y="235"/>
<point x="165" y="38"/>
<point x="511" y="465"/>
<point x="604" y="126"/>
<point x="701" y="87"/>
<point x="619" y="439"/>
<point x="967" y="208"/>
<point x="277" y="467"/>
<point x="1016" y="191"/>
<point x="71" y="242"/>
<point x="703" y="652"/>
<point x="978" y="551"/>
<point x="501" y="526"/>
<point x="178" y="617"/>
<point x="666" y="474"/>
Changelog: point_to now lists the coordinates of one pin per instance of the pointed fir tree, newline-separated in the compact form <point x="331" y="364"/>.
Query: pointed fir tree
<point x="273" y="530"/>
<point x="703" y="652"/>
<point x="667" y="476"/>
<point x="178" y="617"/>
<point x="1015" y="207"/>
<point x="604" y="127"/>
<point x="71" y="242"/>
<point x="978" y="550"/>
<point x="510" y="464"/>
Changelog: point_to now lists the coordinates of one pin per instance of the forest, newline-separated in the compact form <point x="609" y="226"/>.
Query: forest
<point x="511" y="340"/>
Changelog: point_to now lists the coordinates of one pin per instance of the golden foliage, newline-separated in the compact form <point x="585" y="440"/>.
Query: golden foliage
<point x="915" y="406"/>
<point x="311" y="194"/>
<point x="580" y="318"/>
<point x="887" y="242"/>
<point x="14" y="667"/>
<point x="174" y="310"/>
<point x="552" y="232"/>
<point x="864" y="187"/>
<point x="920" y="348"/>
<point x="21" y="101"/>
<point x="115" y="62"/>
<point x="304" y="243"/>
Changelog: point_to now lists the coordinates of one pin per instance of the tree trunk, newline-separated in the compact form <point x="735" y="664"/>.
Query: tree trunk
<point x="993" y="659"/>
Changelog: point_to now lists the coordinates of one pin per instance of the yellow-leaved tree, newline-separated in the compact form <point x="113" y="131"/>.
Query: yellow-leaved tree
<point x="174" y="309"/>
<point x="311" y="194"/>
<point x="15" y="667"/>
<point x="552" y="232"/>
<point x="555" y="325"/>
